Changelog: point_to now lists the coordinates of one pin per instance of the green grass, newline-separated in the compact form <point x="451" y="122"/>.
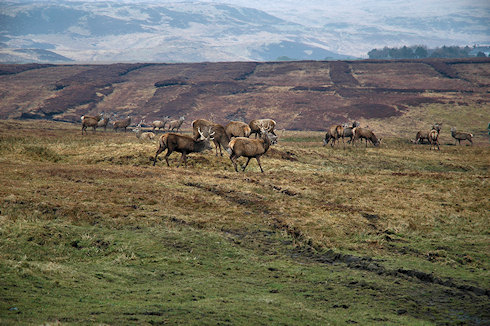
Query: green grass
<point x="91" y="232"/>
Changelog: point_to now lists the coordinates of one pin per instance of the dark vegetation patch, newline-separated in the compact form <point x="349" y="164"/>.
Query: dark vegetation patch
<point x="370" y="111"/>
<point x="341" y="74"/>
<point x="171" y="82"/>
<point x="443" y="68"/>
<point x="10" y="69"/>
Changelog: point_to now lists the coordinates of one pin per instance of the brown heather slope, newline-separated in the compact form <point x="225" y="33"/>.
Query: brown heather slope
<point x="305" y="95"/>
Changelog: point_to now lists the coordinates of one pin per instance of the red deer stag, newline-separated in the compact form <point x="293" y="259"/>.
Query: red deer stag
<point x="237" y="129"/>
<point x="434" y="139"/>
<point x="183" y="144"/>
<point x="220" y="139"/>
<point x="160" y="124"/>
<point x="333" y="134"/>
<point x="363" y="133"/>
<point x="122" y="124"/>
<point x="251" y="148"/>
<point x="421" y="136"/>
<point x="90" y="121"/>
<point x="459" y="136"/>
<point x="176" y="124"/>
<point x="258" y="124"/>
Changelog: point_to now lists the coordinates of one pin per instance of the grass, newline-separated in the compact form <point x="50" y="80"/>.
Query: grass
<point x="90" y="232"/>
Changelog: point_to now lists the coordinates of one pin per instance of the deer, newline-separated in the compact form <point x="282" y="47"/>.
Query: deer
<point x="333" y="134"/>
<point x="183" y="144"/>
<point x="434" y="139"/>
<point x="348" y="132"/>
<point x="220" y="137"/>
<point x="251" y="148"/>
<point x="363" y="133"/>
<point x="121" y="124"/>
<point x="424" y="135"/>
<point x="459" y="136"/>
<point x="160" y="124"/>
<point x="90" y="121"/>
<point x="258" y="124"/>
<point x="143" y="135"/>
<point x="176" y="124"/>
<point x="237" y="129"/>
<point x="103" y="122"/>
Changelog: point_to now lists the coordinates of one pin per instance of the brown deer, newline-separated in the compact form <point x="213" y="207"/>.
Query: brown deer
<point x="334" y="134"/>
<point x="237" y="129"/>
<point x="160" y="124"/>
<point x="258" y="124"/>
<point x="143" y="135"/>
<point x="434" y="139"/>
<point x="348" y="132"/>
<point x="220" y="139"/>
<point x="90" y="121"/>
<point x="103" y="122"/>
<point x="421" y="136"/>
<point x="251" y="148"/>
<point x="459" y="136"/>
<point x="363" y="133"/>
<point x="176" y="124"/>
<point x="121" y="124"/>
<point x="183" y="144"/>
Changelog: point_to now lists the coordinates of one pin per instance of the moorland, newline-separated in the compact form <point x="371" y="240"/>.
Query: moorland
<point x="91" y="232"/>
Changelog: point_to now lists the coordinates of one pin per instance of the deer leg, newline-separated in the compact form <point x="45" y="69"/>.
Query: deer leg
<point x="159" y="150"/>
<point x="184" y="156"/>
<point x="166" y="156"/>
<point x="233" y="159"/>
<point x="260" y="165"/>
<point x="245" y="166"/>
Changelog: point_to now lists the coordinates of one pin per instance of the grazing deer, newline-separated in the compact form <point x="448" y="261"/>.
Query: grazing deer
<point x="122" y="124"/>
<point x="251" y="148"/>
<point x="176" y="124"/>
<point x="363" y="133"/>
<point x="434" y="139"/>
<point x="237" y="129"/>
<point x="183" y="144"/>
<point x="459" y="136"/>
<point x="424" y="135"/>
<point x="220" y="139"/>
<point x="90" y="121"/>
<point x="160" y="124"/>
<point x="258" y="124"/>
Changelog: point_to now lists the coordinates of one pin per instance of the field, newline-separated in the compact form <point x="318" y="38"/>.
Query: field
<point x="91" y="232"/>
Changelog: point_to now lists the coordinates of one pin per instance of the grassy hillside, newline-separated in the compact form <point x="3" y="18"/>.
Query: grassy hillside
<point x="92" y="233"/>
<point x="304" y="95"/>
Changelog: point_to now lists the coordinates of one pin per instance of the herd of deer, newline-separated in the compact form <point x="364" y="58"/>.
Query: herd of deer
<point x="432" y="136"/>
<point x="235" y="136"/>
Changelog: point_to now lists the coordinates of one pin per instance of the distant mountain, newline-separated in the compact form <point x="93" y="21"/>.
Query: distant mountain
<point x="127" y="32"/>
<point x="230" y="30"/>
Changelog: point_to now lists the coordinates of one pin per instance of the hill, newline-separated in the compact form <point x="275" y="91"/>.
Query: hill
<point x="229" y="30"/>
<point x="394" y="95"/>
